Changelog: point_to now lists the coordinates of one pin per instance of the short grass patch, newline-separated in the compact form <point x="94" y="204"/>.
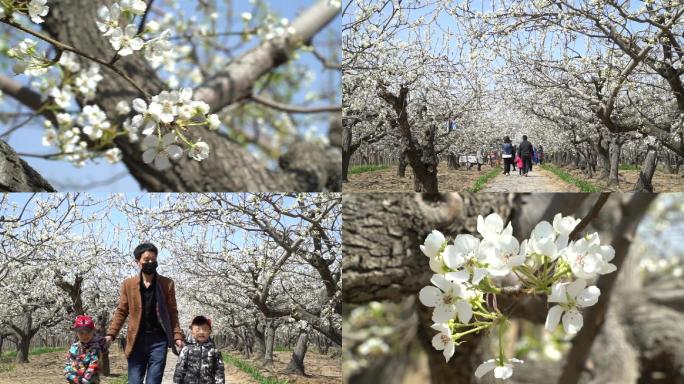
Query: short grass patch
<point x="583" y="185"/>
<point x="628" y="167"/>
<point x="251" y="370"/>
<point x="37" y="351"/>
<point x="484" y="179"/>
<point x="121" y="380"/>
<point x="366" y="168"/>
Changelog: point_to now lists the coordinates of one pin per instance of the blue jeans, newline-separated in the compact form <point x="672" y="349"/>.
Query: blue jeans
<point x="149" y="355"/>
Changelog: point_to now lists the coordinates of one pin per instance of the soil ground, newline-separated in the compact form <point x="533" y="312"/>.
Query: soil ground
<point x="662" y="181"/>
<point x="47" y="369"/>
<point x="457" y="180"/>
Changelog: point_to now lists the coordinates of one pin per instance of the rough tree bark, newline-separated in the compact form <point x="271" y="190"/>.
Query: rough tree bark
<point x="296" y="364"/>
<point x="644" y="184"/>
<point x="382" y="260"/>
<point x="230" y="167"/>
<point x="17" y="176"/>
<point x="422" y="157"/>
<point x="641" y="338"/>
<point x="615" y="149"/>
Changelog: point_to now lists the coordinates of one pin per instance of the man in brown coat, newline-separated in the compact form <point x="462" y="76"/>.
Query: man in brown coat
<point x="148" y="300"/>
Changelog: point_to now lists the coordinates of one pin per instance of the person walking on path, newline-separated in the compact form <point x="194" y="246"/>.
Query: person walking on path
<point x="150" y="300"/>
<point x="541" y="154"/>
<point x="507" y="155"/>
<point x="525" y="152"/>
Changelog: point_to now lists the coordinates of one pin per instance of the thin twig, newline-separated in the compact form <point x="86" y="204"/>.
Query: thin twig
<point x="294" y="109"/>
<point x="575" y="234"/>
<point x="58" y="44"/>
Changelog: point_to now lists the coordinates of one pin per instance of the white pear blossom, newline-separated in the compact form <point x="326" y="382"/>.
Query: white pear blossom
<point x="137" y="7"/>
<point x="214" y="121"/>
<point x="122" y="108"/>
<point x="492" y="228"/>
<point x="62" y="97"/>
<point x="113" y="155"/>
<point x="433" y="243"/>
<point x="466" y="247"/>
<point x="502" y="256"/>
<point x="449" y="299"/>
<point x="125" y="42"/>
<point x="163" y="107"/>
<point x="38" y="8"/>
<point x="588" y="258"/>
<point x="501" y="371"/>
<point x="94" y="120"/>
<point x="199" y="151"/>
<point x="159" y="151"/>
<point x="570" y="297"/>
<point x="443" y="341"/>
<point x="50" y="137"/>
<point x="108" y="19"/>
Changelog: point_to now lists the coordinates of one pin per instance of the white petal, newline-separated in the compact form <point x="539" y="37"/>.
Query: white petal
<point x="149" y="155"/>
<point x="459" y="276"/>
<point x="452" y="258"/>
<point x="437" y="342"/>
<point x="430" y="296"/>
<point x="443" y="313"/>
<point x="442" y="283"/>
<point x="576" y="287"/>
<point x="543" y="230"/>
<point x="479" y="274"/>
<point x="161" y="162"/>
<point x="503" y="372"/>
<point x="558" y="292"/>
<point x="175" y="152"/>
<point x="140" y="105"/>
<point x="137" y="44"/>
<point x="485" y="367"/>
<point x="465" y="312"/>
<point x="589" y="296"/>
<point x="608" y="268"/>
<point x="572" y="321"/>
<point x="449" y="351"/>
<point x="553" y="318"/>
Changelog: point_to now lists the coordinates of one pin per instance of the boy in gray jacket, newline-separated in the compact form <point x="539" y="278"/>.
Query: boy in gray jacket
<point x="199" y="361"/>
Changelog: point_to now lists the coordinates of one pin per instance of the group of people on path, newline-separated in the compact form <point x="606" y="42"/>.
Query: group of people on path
<point x="148" y="301"/>
<point x="521" y="156"/>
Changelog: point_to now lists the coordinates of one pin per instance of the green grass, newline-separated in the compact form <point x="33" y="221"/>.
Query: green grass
<point x="282" y="349"/>
<point x="482" y="180"/>
<point x="366" y="168"/>
<point x="6" y="363"/>
<point x="37" y="351"/>
<point x="628" y="167"/>
<point x="251" y="370"/>
<point x="583" y="185"/>
<point x="121" y="380"/>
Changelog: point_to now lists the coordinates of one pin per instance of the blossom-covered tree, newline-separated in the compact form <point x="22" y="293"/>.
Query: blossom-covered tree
<point x="188" y="101"/>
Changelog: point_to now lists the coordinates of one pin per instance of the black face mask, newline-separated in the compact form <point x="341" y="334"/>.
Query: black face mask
<point x="150" y="267"/>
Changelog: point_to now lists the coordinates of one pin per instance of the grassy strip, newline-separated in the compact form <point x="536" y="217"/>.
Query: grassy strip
<point x="37" y="351"/>
<point x="366" y="168"/>
<point x="282" y="349"/>
<point x="251" y="370"/>
<point x="628" y="167"/>
<point x="583" y="185"/>
<point x="482" y="180"/>
<point x="121" y="380"/>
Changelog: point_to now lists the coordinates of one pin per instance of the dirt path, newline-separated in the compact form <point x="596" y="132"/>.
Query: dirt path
<point x="538" y="180"/>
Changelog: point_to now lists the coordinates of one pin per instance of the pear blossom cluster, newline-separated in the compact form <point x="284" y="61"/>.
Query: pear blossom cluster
<point x="34" y="9"/>
<point x="548" y="263"/>
<point x="116" y="22"/>
<point x="163" y="122"/>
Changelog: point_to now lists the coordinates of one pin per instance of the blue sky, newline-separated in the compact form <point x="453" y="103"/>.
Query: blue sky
<point x="66" y="177"/>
